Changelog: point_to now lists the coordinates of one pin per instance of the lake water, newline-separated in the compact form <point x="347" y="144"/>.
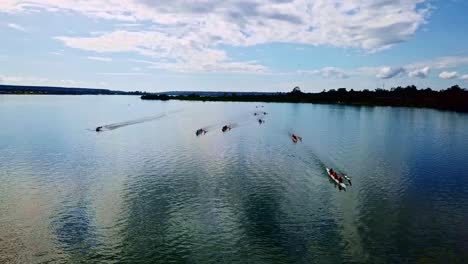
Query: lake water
<point x="154" y="192"/>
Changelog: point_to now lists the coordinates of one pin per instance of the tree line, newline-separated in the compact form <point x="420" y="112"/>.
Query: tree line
<point x="453" y="98"/>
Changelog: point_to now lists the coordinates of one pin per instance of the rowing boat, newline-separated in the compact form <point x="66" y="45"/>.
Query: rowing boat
<point x="342" y="185"/>
<point x="295" y="138"/>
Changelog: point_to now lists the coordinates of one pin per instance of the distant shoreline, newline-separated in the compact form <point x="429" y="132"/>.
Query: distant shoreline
<point x="53" y="90"/>
<point x="450" y="99"/>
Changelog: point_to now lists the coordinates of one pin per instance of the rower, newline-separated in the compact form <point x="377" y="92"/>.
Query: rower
<point x="99" y="129"/>
<point x="200" y="131"/>
<point x="340" y="179"/>
<point x="335" y="175"/>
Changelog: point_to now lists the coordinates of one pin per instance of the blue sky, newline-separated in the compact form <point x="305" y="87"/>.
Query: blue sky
<point x="235" y="45"/>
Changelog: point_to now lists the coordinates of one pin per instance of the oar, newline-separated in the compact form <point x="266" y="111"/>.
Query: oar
<point x="348" y="178"/>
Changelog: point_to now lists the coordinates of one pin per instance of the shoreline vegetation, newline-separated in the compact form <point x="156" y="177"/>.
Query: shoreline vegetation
<point x="52" y="90"/>
<point x="453" y="98"/>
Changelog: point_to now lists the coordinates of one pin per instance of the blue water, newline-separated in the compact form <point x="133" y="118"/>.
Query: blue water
<point x="147" y="190"/>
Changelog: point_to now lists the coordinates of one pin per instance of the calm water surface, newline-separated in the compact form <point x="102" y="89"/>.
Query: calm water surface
<point x="153" y="192"/>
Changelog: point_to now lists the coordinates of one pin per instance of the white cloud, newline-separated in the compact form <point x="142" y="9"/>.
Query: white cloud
<point x="211" y="66"/>
<point x="441" y="62"/>
<point x="414" y="70"/>
<point x="464" y="77"/>
<point x="420" y="73"/>
<point x="365" y="24"/>
<point x="328" y="72"/>
<point x="34" y="80"/>
<point x="182" y="30"/>
<point x="420" y="69"/>
<point x="16" y="27"/>
<point x="103" y="59"/>
<point x="168" y="51"/>
<point x="129" y="25"/>
<point x="448" y="75"/>
<point x="389" y="72"/>
<point x="122" y="73"/>
<point x="16" y="79"/>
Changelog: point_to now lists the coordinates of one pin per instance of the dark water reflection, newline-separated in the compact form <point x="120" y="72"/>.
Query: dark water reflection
<point x="152" y="192"/>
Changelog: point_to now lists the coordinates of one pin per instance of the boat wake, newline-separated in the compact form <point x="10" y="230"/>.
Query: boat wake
<point x="113" y="126"/>
<point x="132" y="122"/>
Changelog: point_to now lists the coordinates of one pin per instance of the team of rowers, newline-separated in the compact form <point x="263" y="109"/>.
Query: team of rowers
<point x="337" y="178"/>
<point x="295" y="138"/>
<point x="340" y="178"/>
<point x="200" y="131"/>
<point x="226" y="128"/>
